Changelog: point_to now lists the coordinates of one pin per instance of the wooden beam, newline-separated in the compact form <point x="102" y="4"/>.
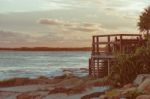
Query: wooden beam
<point x="93" y="45"/>
<point x="120" y="43"/>
<point x="90" y="72"/>
<point x="104" y="43"/>
<point x="109" y="49"/>
<point x="116" y="35"/>
<point x="98" y="67"/>
<point x="108" y="67"/>
<point x="94" y="71"/>
<point x="97" y="45"/>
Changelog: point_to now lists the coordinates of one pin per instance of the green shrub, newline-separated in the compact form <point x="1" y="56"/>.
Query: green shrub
<point x="127" y="67"/>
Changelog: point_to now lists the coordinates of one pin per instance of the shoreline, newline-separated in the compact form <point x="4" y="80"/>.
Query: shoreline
<point x="68" y="86"/>
<point x="71" y="87"/>
<point x="46" y="49"/>
<point x="78" y="71"/>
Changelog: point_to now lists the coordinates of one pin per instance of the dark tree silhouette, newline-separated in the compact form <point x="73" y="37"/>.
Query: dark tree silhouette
<point x="144" y="21"/>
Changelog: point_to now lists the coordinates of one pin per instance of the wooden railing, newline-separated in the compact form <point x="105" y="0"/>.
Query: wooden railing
<point x="118" y="39"/>
<point x="111" y="43"/>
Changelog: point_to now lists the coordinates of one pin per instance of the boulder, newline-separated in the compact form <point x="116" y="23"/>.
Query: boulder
<point x="128" y="90"/>
<point x="103" y="97"/>
<point x="140" y="78"/>
<point x="92" y="95"/>
<point x="143" y="97"/>
<point x="113" y="94"/>
<point x="70" y="82"/>
<point x="145" y="86"/>
<point x="27" y="96"/>
<point x="128" y="86"/>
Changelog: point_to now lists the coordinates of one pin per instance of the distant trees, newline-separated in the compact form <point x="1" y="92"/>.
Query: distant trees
<point x="144" y="21"/>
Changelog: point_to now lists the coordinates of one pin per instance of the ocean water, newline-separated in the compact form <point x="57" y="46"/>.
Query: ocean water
<point x="34" y="64"/>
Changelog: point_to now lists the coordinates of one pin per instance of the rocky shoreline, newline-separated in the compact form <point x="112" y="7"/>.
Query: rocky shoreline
<point x="139" y="89"/>
<point x="73" y="87"/>
<point x="67" y="86"/>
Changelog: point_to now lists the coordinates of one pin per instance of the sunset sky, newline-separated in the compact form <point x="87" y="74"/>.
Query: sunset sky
<point x="65" y="23"/>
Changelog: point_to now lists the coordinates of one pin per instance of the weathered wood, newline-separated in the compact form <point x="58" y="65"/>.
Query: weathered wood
<point x="97" y="45"/>
<point x="116" y="35"/>
<point x="93" y="45"/>
<point x="94" y="72"/>
<point x="108" y="67"/>
<point x="103" y="43"/>
<point x="120" y="43"/>
<point x="101" y="56"/>
<point x="90" y="71"/>
<point x="108" y="38"/>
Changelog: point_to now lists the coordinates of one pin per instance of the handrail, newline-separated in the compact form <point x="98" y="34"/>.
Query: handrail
<point x="117" y="35"/>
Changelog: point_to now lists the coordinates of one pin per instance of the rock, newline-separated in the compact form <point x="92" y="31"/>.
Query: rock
<point x="113" y="94"/>
<point x="59" y="90"/>
<point x="92" y="95"/>
<point x="68" y="91"/>
<point x="26" y="96"/>
<point x="140" y="78"/>
<point x="143" y="97"/>
<point x="145" y="86"/>
<point x="128" y="90"/>
<point x="103" y="97"/>
<point x="14" y="82"/>
<point x="24" y="81"/>
<point x="70" y="82"/>
<point x="128" y="86"/>
<point x="32" y="95"/>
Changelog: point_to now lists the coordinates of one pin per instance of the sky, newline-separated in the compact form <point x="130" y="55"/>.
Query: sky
<point x="65" y="23"/>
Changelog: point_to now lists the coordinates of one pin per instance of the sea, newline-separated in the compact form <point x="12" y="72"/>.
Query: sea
<point x="32" y="64"/>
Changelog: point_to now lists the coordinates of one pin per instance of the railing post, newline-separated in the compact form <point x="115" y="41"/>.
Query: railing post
<point x="93" y="46"/>
<point x="90" y="72"/>
<point x="115" y="47"/>
<point x="140" y="40"/>
<point x="94" y="69"/>
<point x="109" y="49"/>
<point x="120" y="43"/>
<point x="97" y="45"/>
<point x="98" y="68"/>
<point x="108" y="67"/>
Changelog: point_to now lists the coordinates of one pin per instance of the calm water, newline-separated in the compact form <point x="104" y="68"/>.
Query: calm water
<point x="34" y="64"/>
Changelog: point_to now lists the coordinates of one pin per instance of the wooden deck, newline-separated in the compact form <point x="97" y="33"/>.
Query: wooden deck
<point x="105" y="46"/>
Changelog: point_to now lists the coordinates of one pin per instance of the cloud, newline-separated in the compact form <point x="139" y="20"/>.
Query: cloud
<point x="74" y="26"/>
<point x="7" y="6"/>
<point x="51" y="39"/>
<point x="120" y="8"/>
<point x="9" y="38"/>
<point x="17" y="39"/>
<point x="56" y="22"/>
<point x="91" y="1"/>
<point x="13" y="36"/>
<point x="87" y="27"/>
<point x="51" y="22"/>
